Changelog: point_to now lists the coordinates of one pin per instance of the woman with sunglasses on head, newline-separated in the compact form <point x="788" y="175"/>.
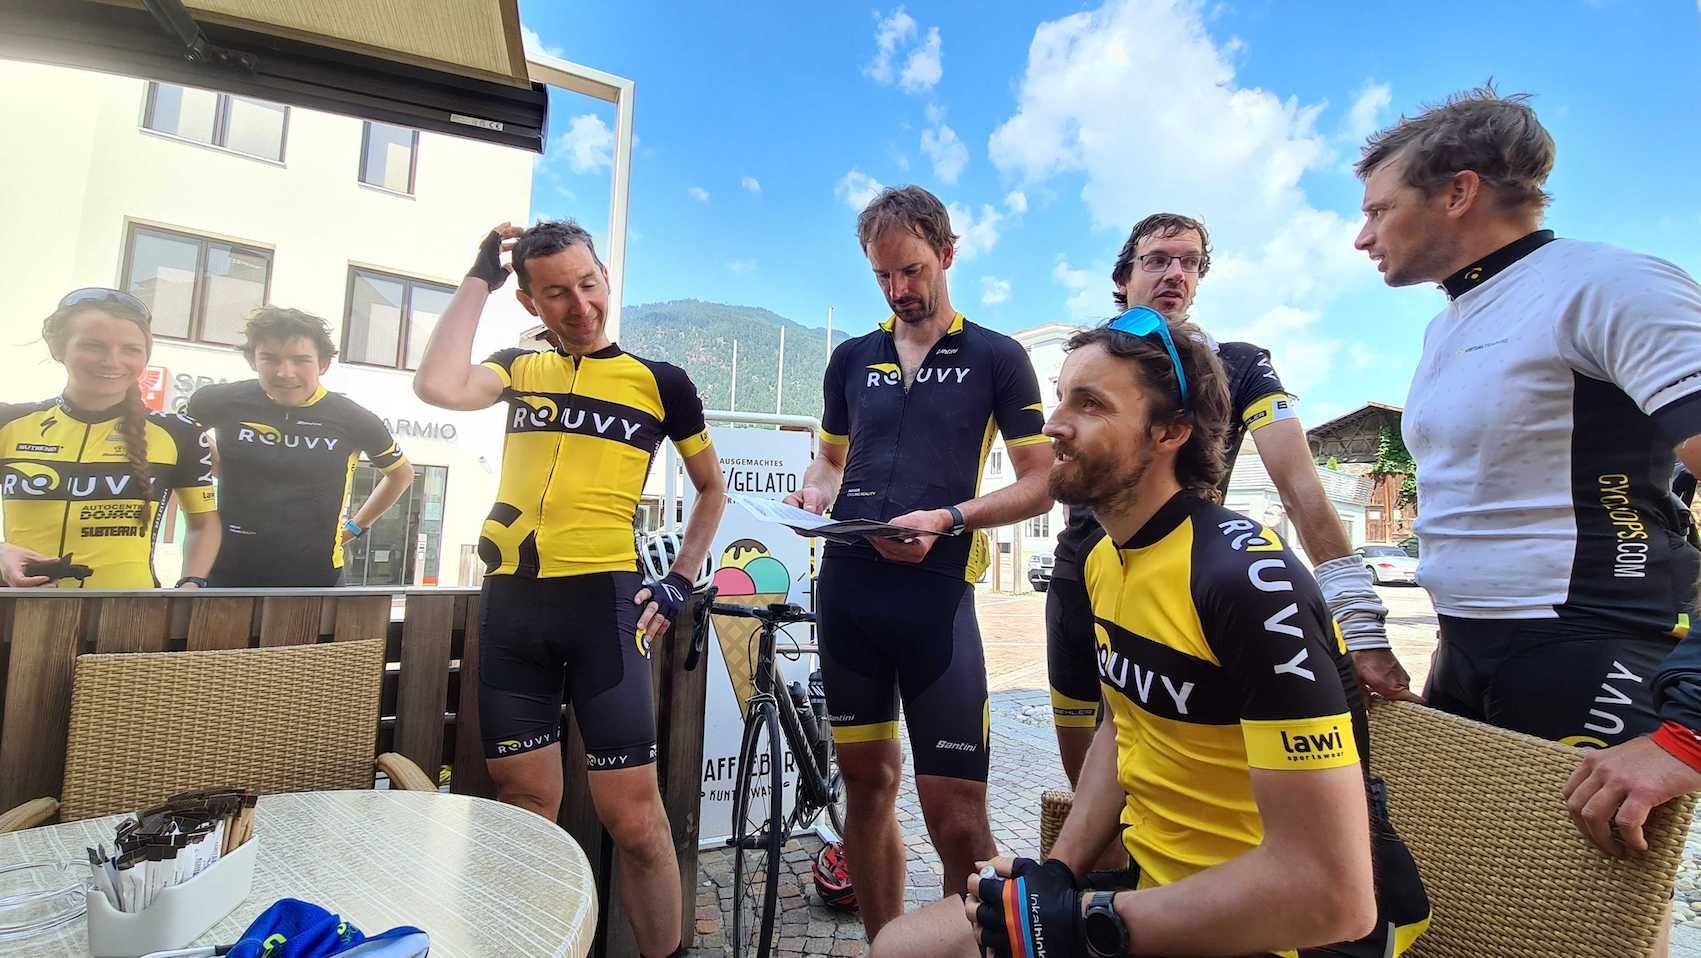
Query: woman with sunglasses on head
<point x="84" y="476"/>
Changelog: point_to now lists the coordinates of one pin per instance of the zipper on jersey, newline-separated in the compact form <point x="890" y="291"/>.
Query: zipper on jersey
<point x="65" y="524"/>
<point x="549" y="480"/>
<point x="904" y="402"/>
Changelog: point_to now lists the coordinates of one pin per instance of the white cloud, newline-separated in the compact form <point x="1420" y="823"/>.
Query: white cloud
<point x="976" y="234"/>
<point x="588" y="144"/>
<point x="750" y="185"/>
<point x="534" y="44"/>
<point x="947" y="152"/>
<point x="923" y="69"/>
<point x="994" y="290"/>
<point x="888" y="33"/>
<point x="1229" y="154"/>
<point x="742" y="266"/>
<point x="895" y="34"/>
<point x="699" y="194"/>
<point x="1088" y="301"/>
<point x="1016" y="201"/>
<point x="1365" y="115"/>
<point x="857" y="188"/>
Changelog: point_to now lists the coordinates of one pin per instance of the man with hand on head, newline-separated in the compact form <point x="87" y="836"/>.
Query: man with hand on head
<point x="563" y="609"/>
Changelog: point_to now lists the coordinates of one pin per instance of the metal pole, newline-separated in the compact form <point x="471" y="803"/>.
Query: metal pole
<point x="829" y="332"/>
<point x="733" y="402"/>
<point x="780" y="376"/>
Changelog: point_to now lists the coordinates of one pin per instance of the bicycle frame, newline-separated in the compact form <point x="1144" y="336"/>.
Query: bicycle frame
<point x="813" y="785"/>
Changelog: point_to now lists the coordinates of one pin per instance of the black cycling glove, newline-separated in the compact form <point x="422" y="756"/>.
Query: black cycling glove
<point x="488" y="266"/>
<point x="669" y="594"/>
<point x="1036" y="911"/>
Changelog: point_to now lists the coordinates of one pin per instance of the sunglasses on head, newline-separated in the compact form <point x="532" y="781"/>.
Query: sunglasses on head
<point x="97" y="295"/>
<point x="1147" y="323"/>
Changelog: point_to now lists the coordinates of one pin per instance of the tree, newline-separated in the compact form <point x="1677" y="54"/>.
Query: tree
<point x="1393" y="459"/>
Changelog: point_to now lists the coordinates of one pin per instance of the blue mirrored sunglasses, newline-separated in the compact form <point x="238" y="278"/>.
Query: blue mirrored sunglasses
<point x="1146" y="322"/>
<point x="101" y="294"/>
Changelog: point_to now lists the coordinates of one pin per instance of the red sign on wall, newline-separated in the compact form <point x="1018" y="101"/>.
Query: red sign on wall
<point x="152" y="385"/>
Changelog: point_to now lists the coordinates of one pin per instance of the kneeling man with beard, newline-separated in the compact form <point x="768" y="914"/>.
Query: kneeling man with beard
<point x="1236" y="769"/>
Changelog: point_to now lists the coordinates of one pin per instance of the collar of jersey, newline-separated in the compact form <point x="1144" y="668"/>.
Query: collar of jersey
<point x="90" y="415"/>
<point x="607" y="352"/>
<point x="1494" y="263"/>
<point x="1163" y="522"/>
<point x="891" y="323"/>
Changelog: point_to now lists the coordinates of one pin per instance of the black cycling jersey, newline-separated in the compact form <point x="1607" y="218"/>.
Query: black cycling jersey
<point x="922" y="446"/>
<point x="1257" y="399"/>
<point x="284" y="478"/>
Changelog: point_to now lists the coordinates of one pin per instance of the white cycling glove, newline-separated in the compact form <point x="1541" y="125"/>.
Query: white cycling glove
<point x="1346" y="586"/>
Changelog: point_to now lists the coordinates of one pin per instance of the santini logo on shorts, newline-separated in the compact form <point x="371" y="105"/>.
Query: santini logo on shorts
<point x="958" y="746"/>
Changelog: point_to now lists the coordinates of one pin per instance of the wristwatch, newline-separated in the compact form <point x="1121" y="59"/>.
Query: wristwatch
<point x="1102" y="927"/>
<point x="957" y="525"/>
<point x="353" y="528"/>
<point x="199" y="581"/>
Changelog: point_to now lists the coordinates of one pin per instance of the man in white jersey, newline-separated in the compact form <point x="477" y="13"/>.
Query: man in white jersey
<point x="1552" y="393"/>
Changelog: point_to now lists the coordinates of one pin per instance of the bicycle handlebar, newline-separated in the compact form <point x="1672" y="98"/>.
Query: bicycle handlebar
<point x="779" y="613"/>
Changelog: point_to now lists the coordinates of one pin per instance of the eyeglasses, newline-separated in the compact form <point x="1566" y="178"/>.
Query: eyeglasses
<point x="1147" y="323"/>
<point x="1159" y="262"/>
<point x="101" y="294"/>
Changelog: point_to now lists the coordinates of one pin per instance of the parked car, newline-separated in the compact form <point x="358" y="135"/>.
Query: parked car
<point x="1410" y="544"/>
<point x="1388" y="563"/>
<point x="1039" y="570"/>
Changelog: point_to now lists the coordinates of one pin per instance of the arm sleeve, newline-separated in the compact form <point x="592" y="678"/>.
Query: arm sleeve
<point x="1017" y="406"/>
<point x="378" y="442"/>
<point x="835" y="412"/>
<point x="1258" y="395"/>
<point x="1642" y="333"/>
<point x="1268" y="625"/>
<point x="191" y="476"/>
<point x="682" y="410"/>
<point x="502" y="363"/>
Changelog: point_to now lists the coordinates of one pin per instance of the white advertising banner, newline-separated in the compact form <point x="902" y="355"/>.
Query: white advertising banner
<point x="751" y="557"/>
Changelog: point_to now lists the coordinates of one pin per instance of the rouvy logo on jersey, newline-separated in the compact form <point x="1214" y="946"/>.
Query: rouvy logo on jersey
<point x="259" y="432"/>
<point x="34" y="480"/>
<point x="542" y="412"/>
<point x="888" y="374"/>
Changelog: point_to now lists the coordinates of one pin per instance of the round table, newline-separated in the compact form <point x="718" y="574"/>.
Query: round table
<point x="480" y="877"/>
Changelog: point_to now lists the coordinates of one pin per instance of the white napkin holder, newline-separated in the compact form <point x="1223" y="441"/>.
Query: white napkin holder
<point x="178" y="915"/>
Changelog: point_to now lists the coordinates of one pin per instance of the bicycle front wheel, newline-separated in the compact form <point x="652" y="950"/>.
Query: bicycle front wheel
<point x="758" y="831"/>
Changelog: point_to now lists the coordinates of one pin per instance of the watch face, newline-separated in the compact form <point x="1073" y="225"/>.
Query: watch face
<point x="1104" y="932"/>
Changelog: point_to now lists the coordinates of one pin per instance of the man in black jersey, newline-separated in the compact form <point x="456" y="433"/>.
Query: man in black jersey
<point x="286" y="451"/>
<point x="1160" y="266"/>
<point x="910" y="411"/>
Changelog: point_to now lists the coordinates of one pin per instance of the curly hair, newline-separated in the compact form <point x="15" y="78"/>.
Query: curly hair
<point x="1161" y="225"/>
<point x="277" y="323"/>
<point x="1496" y="137"/>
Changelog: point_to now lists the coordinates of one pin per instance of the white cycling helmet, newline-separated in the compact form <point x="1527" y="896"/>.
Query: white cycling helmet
<point x="657" y="552"/>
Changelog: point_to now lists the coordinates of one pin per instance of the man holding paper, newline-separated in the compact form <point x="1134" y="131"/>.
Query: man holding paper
<point x="909" y="416"/>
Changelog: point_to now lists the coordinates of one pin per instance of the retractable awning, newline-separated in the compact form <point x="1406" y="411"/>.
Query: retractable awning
<point x="450" y="66"/>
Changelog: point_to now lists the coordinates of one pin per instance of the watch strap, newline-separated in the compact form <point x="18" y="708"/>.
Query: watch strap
<point x="957" y="524"/>
<point x="1102" y="904"/>
<point x="198" y="580"/>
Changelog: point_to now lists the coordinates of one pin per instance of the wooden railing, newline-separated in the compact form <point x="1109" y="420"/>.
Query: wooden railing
<point x="430" y="698"/>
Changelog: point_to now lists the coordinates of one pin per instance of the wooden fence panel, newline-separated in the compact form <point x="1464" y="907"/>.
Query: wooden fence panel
<point x="139" y="624"/>
<point x="290" y="621"/>
<point x="220" y="623"/>
<point x="362" y="617"/>
<point x="44" y="635"/>
<point x="470" y="776"/>
<point x="423" y="687"/>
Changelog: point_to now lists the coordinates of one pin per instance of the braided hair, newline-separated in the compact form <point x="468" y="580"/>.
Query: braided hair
<point x="133" y="417"/>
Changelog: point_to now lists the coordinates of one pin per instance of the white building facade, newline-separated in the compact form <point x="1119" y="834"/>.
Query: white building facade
<point x="1250" y="492"/>
<point x="207" y="205"/>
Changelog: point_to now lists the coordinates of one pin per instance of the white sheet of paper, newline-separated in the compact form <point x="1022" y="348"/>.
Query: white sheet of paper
<point x="773" y="510"/>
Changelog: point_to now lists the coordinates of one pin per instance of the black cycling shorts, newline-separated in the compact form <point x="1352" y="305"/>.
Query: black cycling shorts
<point x="1576" y="682"/>
<point x="1071" y="654"/>
<point x="889" y="632"/>
<point x="572" y="638"/>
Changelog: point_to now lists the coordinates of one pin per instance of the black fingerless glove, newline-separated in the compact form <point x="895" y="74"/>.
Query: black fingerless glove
<point x="488" y="265"/>
<point x="669" y="594"/>
<point x="1036" y="911"/>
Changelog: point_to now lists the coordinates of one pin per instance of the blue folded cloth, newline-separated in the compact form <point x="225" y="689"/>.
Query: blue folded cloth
<point x="292" y="928"/>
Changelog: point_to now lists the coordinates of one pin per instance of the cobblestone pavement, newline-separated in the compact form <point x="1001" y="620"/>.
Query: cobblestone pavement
<point x="1024" y="763"/>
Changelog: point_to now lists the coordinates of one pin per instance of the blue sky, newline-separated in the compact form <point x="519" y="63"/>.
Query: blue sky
<point x="1049" y="128"/>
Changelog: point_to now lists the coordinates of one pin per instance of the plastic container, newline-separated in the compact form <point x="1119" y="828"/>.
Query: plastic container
<point x="179" y="914"/>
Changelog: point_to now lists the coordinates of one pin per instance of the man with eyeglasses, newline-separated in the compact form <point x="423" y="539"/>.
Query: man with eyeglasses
<point x="1160" y="266"/>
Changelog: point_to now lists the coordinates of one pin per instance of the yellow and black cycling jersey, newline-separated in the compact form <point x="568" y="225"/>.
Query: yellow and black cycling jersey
<point x="581" y="431"/>
<point x="67" y="486"/>
<point x="1217" y="655"/>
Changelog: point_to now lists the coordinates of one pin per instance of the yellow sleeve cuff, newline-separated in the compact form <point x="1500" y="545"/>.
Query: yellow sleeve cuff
<point x="507" y="380"/>
<point x="1273" y="408"/>
<point x="1300" y="744"/>
<point x="1026" y="440"/>
<point x="833" y="438"/>
<point x="692" y="445"/>
<point x="196" y="499"/>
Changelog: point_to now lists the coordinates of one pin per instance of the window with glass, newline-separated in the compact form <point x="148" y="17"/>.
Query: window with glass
<point x="390" y="318"/>
<point x="995" y="463"/>
<point x="388" y="156"/>
<point x="235" y="123"/>
<point x="1039" y="527"/>
<point x="197" y="287"/>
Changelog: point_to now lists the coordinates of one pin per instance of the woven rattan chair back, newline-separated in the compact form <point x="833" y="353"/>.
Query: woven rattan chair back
<point x="1508" y="874"/>
<point x="145" y="726"/>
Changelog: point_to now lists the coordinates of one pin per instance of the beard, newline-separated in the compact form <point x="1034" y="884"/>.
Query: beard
<point x="1100" y="483"/>
<point x="912" y="309"/>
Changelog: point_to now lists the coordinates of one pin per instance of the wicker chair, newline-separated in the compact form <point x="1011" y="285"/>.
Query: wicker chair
<point x="148" y="725"/>
<point x="1508" y="874"/>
